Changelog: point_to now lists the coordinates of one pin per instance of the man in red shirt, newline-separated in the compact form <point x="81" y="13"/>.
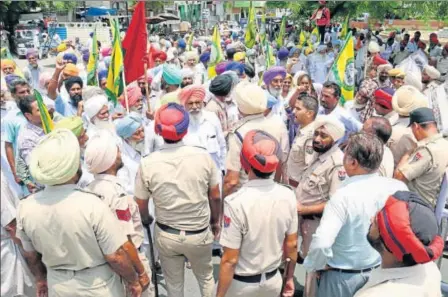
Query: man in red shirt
<point x="322" y="18"/>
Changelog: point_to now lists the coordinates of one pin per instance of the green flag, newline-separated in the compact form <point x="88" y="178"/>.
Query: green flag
<point x="251" y="31"/>
<point x="47" y="122"/>
<point x="345" y="26"/>
<point x="92" y="79"/>
<point x="115" y="82"/>
<point x="281" y="33"/>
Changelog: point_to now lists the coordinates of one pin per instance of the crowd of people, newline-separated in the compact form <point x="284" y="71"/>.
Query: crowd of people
<point x="263" y="166"/>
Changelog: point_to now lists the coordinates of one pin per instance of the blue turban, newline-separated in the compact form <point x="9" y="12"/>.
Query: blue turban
<point x="205" y="57"/>
<point x="71" y="57"/>
<point x="271" y="100"/>
<point x="181" y="43"/>
<point x="102" y="74"/>
<point x="282" y="53"/>
<point x="91" y="34"/>
<point x="293" y="50"/>
<point x="235" y="66"/>
<point x="273" y="72"/>
<point x="85" y="55"/>
<point x="127" y="126"/>
<point x="10" y="78"/>
<point x="171" y="74"/>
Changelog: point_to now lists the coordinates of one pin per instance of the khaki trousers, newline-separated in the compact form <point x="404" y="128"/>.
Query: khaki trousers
<point x="265" y="288"/>
<point x="99" y="281"/>
<point x="307" y="228"/>
<point x="197" y="249"/>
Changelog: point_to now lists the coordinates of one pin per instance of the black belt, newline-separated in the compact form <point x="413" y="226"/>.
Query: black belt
<point x="253" y="278"/>
<point x="171" y="230"/>
<point x="312" y="217"/>
<point x="354" y="270"/>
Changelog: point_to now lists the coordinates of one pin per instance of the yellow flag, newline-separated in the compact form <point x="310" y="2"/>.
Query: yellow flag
<point x="343" y="70"/>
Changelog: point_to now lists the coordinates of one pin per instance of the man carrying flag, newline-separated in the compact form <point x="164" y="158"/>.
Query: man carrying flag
<point x="92" y="79"/>
<point x="115" y="82"/>
<point x="216" y="54"/>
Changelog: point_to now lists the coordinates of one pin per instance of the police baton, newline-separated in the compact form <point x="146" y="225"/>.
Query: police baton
<point x="153" y="260"/>
<point x="285" y="274"/>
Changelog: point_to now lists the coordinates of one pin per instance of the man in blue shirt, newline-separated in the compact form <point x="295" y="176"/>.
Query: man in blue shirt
<point x="339" y="249"/>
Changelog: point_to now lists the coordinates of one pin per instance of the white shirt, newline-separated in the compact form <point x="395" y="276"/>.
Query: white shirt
<point x="421" y="280"/>
<point x="131" y="161"/>
<point x="387" y="164"/>
<point x="207" y="133"/>
<point x="340" y="240"/>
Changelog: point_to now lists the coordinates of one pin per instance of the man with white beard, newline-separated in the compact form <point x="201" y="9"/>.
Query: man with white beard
<point x="273" y="79"/>
<point x="97" y="111"/>
<point x="204" y="129"/>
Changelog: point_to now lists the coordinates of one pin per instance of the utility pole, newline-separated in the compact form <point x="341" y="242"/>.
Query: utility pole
<point x="127" y="17"/>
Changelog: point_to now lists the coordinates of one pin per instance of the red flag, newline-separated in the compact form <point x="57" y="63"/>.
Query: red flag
<point x="135" y="44"/>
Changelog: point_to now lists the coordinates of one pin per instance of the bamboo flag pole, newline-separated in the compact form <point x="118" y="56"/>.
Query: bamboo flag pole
<point x="147" y="87"/>
<point x="125" y="91"/>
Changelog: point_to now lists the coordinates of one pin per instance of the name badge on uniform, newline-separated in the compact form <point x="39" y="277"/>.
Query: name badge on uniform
<point x="226" y="221"/>
<point x="123" y="214"/>
<point x="342" y="174"/>
<point x="309" y="149"/>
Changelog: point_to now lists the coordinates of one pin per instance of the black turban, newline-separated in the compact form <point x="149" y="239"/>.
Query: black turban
<point x="221" y="85"/>
<point x="249" y="70"/>
<point x="69" y="82"/>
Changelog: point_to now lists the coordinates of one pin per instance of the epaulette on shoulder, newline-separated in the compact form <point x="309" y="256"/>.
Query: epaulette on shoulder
<point x="286" y="186"/>
<point x="87" y="191"/>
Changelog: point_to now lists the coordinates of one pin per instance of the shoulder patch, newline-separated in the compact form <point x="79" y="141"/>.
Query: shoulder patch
<point x="309" y="149"/>
<point x="418" y="156"/>
<point x="342" y="175"/>
<point x="227" y="221"/>
<point x="123" y="214"/>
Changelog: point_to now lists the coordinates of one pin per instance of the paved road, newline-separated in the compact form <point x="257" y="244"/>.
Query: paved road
<point x="191" y="287"/>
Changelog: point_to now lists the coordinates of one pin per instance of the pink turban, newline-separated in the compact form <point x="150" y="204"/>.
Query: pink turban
<point x="193" y="91"/>
<point x="221" y="67"/>
<point x="106" y="51"/>
<point x="44" y="78"/>
<point x="134" y="93"/>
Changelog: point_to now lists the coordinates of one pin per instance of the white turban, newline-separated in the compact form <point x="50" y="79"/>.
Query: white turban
<point x="406" y="99"/>
<point x="187" y="72"/>
<point x="101" y="152"/>
<point x="56" y="158"/>
<point x="250" y="98"/>
<point x="373" y="47"/>
<point x="431" y="71"/>
<point x="332" y="126"/>
<point x="297" y="75"/>
<point x="413" y="79"/>
<point x="191" y="55"/>
<point x="385" y="67"/>
<point x="93" y="106"/>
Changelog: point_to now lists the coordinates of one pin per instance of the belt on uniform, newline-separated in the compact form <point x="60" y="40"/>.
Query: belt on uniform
<point x="312" y="217"/>
<point x="171" y="230"/>
<point x="354" y="270"/>
<point x="253" y="278"/>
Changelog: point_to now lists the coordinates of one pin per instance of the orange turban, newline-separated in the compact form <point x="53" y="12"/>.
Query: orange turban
<point x="71" y="70"/>
<point x="193" y="91"/>
<point x="8" y="63"/>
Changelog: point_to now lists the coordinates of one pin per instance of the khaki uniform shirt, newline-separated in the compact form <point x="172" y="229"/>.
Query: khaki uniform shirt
<point x="72" y="229"/>
<point x="426" y="167"/>
<point x="387" y="164"/>
<point x="254" y="122"/>
<point x="256" y="220"/>
<point x="219" y="108"/>
<point x="402" y="140"/>
<point x="178" y="178"/>
<point x="111" y="190"/>
<point x="301" y="153"/>
<point x="322" y="178"/>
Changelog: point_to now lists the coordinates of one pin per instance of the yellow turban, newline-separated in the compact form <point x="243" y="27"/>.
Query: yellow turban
<point x="250" y="98"/>
<point x="56" y="159"/>
<point x="73" y="124"/>
<point x="62" y="47"/>
<point x="408" y="98"/>
<point x="71" y="70"/>
<point x="8" y="63"/>
<point x="239" y="56"/>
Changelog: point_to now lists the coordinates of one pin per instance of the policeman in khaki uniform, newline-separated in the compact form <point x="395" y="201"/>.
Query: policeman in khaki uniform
<point x="423" y="168"/>
<point x="75" y="233"/>
<point x="183" y="181"/>
<point x="302" y="152"/>
<point x="259" y="220"/>
<point x="252" y="102"/>
<point x="103" y="159"/>
<point x="318" y="183"/>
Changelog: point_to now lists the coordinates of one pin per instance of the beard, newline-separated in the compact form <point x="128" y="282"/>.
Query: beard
<point x="383" y="78"/>
<point x="104" y="124"/>
<point x="275" y="92"/>
<point x="183" y="85"/>
<point x="143" y="91"/>
<point x="320" y="149"/>
<point x="195" y="117"/>
<point x="137" y="145"/>
<point x="75" y="99"/>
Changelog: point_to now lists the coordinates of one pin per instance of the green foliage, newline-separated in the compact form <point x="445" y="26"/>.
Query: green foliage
<point x="277" y="4"/>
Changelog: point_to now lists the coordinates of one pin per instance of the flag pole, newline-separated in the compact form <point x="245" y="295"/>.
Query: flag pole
<point x="125" y="91"/>
<point x="147" y="87"/>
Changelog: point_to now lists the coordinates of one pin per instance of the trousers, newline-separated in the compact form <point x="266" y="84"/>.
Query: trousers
<point x="307" y="229"/>
<point x="340" y="284"/>
<point x="265" y="288"/>
<point x="197" y="248"/>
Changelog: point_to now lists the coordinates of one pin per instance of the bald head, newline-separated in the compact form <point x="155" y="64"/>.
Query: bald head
<point x="378" y="126"/>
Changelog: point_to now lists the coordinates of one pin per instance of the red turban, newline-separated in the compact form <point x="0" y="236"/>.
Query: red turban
<point x="134" y="93"/>
<point x="160" y="55"/>
<point x="171" y="121"/>
<point x="193" y="91"/>
<point x="377" y="60"/>
<point x="408" y="228"/>
<point x="260" y="151"/>
<point x="421" y="45"/>
<point x="383" y="97"/>
<point x="446" y="47"/>
<point x="433" y="38"/>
